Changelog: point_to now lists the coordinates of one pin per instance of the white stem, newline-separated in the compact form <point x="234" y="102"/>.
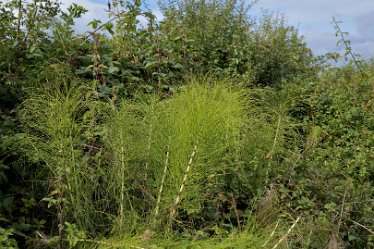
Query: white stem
<point x="288" y="233"/>
<point x="162" y="184"/>
<point x="178" y="199"/>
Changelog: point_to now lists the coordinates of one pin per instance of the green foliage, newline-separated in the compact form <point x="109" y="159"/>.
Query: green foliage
<point x="279" y="53"/>
<point x="332" y="182"/>
<point x="347" y="43"/>
<point x="106" y="140"/>
<point x="345" y="151"/>
<point x="153" y="145"/>
<point x="224" y="44"/>
<point x="124" y="143"/>
<point x="55" y="137"/>
<point x="252" y="236"/>
<point x="6" y="241"/>
<point x="24" y="37"/>
<point x="159" y="55"/>
<point x="267" y="53"/>
<point x="202" y="126"/>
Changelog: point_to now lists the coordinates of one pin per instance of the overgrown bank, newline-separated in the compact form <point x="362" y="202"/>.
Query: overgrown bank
<point x="123" y="142"/>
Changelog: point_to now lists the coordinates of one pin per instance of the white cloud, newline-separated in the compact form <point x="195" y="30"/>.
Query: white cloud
<point x="95" y="11"/>
<point x="313" y="17"/>
<point x="321" y="42"/>
<point x="364" y="25"/>
<point x="158" y="14"/>
<point x="98" y="11"/>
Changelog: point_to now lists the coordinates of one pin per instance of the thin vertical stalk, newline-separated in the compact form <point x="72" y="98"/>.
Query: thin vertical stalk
<point x="74" y="176"/>
<point x="234" y="206"/>
<point x="60" y="205"/>
<point x="148" y="151"/>
<point x="20" y="14"/>
<point x="123" y="190"/>
<point x="161" y="185"/>
<point x="158" y="60"/>
<point x="178" y="198"/>
<point x="346" y="43"/>
<point x="271" y="152"/>
<point x="287" y="234"/>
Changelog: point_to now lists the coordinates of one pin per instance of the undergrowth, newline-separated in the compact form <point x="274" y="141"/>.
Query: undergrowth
<point x="209" y="129"/>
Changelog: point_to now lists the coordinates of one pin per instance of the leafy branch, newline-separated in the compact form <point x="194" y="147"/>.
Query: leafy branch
<point x="347" y="43"/>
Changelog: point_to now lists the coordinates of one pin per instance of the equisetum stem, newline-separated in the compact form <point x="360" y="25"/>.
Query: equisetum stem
<point x="288" y="233"/>
<point x="178" y="199"/>
<point x="123" y="189"/>
<point x="271" y="152"/>
<point x="122" y="194"/>
<point x="162" y="185"/>
<point x="148" y="151"/>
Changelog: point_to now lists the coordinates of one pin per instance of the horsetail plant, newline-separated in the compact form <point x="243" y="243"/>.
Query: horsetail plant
<point x="54" y="126"/>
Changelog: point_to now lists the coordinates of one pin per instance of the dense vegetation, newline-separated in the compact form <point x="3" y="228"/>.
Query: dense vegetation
<point x="208" y="129"/>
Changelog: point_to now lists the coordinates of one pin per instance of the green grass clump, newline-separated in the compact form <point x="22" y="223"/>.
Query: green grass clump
<point x="158" y="170"/>
<point x="55" y="128"/>
<point x="170" y="156"/>
<point x="252" y="237"/>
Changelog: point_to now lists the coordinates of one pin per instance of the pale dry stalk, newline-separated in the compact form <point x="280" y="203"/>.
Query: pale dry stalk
<point x="178" y="199"/>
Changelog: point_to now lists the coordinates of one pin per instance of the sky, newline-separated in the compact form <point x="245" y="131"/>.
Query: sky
<point x="312" y="18"/>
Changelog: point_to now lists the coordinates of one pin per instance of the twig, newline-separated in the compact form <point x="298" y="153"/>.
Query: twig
<point x="118" y="15"/>
<point x="91" y="147"/>
<point x="364" y="227"/>
<point x="234" y="206"/>
<point x="288" y="233"/>
<point x="346" y="44"/>
<point x="342" y="210"/>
